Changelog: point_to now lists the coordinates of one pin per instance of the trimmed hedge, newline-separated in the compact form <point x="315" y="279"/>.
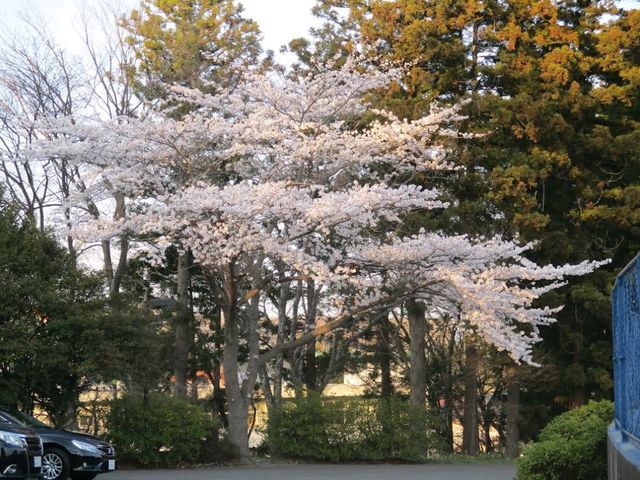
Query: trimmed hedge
<point x="573" y="446"/>
<point x="353" y="430"/>
<point x="164" y="432"/>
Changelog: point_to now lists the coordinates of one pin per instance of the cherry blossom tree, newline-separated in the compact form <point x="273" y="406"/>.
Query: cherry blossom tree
<point x="280" y="180"/>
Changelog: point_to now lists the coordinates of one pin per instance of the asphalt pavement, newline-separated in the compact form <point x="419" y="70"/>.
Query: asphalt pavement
<point x="326" y="472"/>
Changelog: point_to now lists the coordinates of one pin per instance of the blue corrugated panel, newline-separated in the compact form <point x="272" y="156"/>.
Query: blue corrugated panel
<point x="626" y="348"/>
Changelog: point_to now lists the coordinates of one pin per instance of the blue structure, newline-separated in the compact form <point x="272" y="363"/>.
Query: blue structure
<point x="624" y="432"/>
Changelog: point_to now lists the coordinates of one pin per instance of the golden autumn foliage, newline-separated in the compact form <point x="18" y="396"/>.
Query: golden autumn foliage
<point x="192" y="42"/>
<point x="555" y="91"/>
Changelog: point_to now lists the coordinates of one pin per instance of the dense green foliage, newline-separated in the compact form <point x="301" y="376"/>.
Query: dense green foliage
<point x="158" y="431"/>
<point x="574" y="445"/>
<point x="49" y="306"/>
<point x="58" y="331"/>
<point x="348" y="430"/>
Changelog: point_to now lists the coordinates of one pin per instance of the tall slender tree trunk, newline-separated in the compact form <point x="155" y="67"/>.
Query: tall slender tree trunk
<point x="417" y="366"/>
<point x="486" y="429"/>
<point x="280" y="339"/>
<point x="470" y="417"/>
<point x="384" y="355"/>
<point x="296" y="358"/>
<point x="513" y="412"/>
<point x="121" y="266"/>
<point x="183" y="321"/>
<point x="266" y="389"/>
<point x="107" y="261"/>
<point x="310" y="367"/>
<point x="448" y="394"/>
<point x="216" y="375"/>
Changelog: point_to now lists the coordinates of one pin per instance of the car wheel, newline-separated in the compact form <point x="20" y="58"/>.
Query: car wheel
<point x="55" y="464"/>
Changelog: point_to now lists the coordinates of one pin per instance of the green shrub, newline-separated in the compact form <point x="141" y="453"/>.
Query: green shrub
<point x="347" y="430"/>
<point x="165" y="431"/>
<point x="573" y="446"/>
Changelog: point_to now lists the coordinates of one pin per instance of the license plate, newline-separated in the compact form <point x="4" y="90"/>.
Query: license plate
<point x="112" y="465"/>
<point x="37" y="462"/>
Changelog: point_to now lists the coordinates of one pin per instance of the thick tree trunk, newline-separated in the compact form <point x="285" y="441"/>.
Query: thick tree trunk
<point x="384" y="355"/>
<point x="237" y="407"/>
<point x="238" y="424"/>
<point x="240" y="391"/>
<point x="183" y="320"/>
<point x="470" y="417"/>
<point x="417" y="367"/>
<point x="513" y="409"/>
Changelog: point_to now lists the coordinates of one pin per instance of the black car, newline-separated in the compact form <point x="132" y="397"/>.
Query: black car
<point x="20" y="452"/>
<point x="66" y="454"/>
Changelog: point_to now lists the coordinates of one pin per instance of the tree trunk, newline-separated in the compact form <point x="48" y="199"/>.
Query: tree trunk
<point x="238" y="421"/>
<point x="486" y="430"/>
<point x="237" y="406"/>
<point x="70" y="417"/>
<point x="470" y="417"/>
<point x="417" y="366"/>
<point x="118" y="273"/>
<point x="384" y="355"/>
<point x="282" y="329"/>
<point x="296" y="357"/>
<point x="448" y="394"/>
<point x="310" y="367"/>
<point x="240" y="391"/>
<point x="107" y="261"/>
<point x="216" y="375"/>
<point x="513" y="408"/>
<point x="183" y="319"/>
<point x="266" y="389"/>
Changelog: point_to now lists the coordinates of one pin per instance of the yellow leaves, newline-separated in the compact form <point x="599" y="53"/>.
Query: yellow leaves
<point x="547" y="160"/>
<point x="531" y="221"/>
<point x="510" y="34"/>
<point x="631" y="75"/>
<point x="514" y="183"/>
<point x="617" y="46"/>
<point x="575" y="173"/>
<point x="618" y="205"/>
<point x="525" y="130"/>
<point x="622" y="217"/>
<point x="556" y="67"/>
<point x="176" y="38"/>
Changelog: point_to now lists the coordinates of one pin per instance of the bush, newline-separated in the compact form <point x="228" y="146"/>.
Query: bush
<point x="573" y="445"/>
<point x="165" y="431"/>
<point x="347" y="430"/>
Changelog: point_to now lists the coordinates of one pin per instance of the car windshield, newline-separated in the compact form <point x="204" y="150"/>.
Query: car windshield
<point x="22" y="419"/>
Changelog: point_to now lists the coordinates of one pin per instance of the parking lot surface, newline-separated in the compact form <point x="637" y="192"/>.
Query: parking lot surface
<point x="326" y="472"/>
